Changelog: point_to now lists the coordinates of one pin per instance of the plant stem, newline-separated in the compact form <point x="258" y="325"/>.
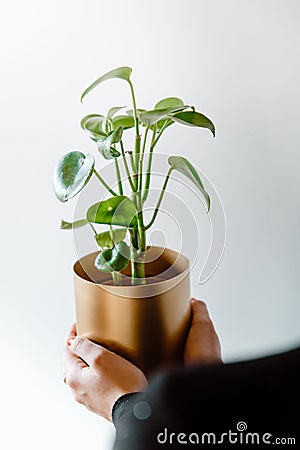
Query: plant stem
<point x="126" y="167"/>
<point x="118" y="177"/>
<point x="138" y="268"/>
<point x="132" y="162"/>
<point x="136" y="123"/>
<point x="117" y="278"/>
<point x="104" y="183"/>
<point x="146" y="227"/>
<point x="154" y="141"/>
<point x="145" y="141"/>
<point x="161" y="131"/>
<point x="148" y="170"/>
<point x="93" y="228"/>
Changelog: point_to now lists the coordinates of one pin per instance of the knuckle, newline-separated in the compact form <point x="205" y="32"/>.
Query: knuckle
<point x="98" y="357"/>
<point x="79" y="344"/>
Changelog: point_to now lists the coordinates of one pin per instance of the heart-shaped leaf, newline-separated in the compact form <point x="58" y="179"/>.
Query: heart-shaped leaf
<point x="124" y="121"/>
<point x="186" y="168"/>
<point x="118" y="210"/>
<point x="169" y="102"/>
<point x="71" y="174"/>
<point x="71" y="225"/>
<point x="104" y="240"/>
<point x="121" y="72"/>
<point x="193" y="119"/>
<point x="115" y="259"/>
<point x="93" y="123"/>
<point x="154" y="115"/>
<point x="105" y="145"/>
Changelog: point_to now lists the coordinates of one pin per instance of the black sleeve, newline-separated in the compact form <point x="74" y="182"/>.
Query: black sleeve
<point x="250" y="403"/>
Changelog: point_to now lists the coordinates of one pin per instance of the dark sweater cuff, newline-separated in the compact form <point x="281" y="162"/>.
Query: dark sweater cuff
<point x="121" y="406"/>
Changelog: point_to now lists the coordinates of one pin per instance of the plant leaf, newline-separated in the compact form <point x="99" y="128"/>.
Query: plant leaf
<point x="139" y="111"/>
<point x="101" y="261"/>
<point x="169" y="102"/>
<point x="118" y="210"/>
<point x="71" y="174"/>
<point x="105" y="145"/>
<point x="112" y="111"/>
<point x="186" y="168"/>
<point x="154" y="115"/>
<point x="115" y="259"/>
<point x="104" y="239"/>
<point x="121" y="72"/>
<point x="93" y="124"/>
<point x="124" y="121"/>
<point x="193" y="119"/>
<point x="71" y="225"/>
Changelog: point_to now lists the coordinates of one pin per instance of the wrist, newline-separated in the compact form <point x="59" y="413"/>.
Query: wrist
<point x="122" y="404"/>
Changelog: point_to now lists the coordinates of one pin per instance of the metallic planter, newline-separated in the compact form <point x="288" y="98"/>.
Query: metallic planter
<point x="145" y="324"/>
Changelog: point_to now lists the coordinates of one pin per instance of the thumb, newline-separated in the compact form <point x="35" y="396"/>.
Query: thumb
<point x="87" y="350"/>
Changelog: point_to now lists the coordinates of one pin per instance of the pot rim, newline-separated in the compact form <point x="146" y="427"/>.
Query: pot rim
<point x="179" y="276"/>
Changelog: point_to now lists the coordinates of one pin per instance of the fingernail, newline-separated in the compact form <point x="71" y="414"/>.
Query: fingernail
<point x="70" y="341"/>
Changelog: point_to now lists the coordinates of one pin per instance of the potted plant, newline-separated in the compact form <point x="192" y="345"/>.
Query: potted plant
<point x="130" y="297"/>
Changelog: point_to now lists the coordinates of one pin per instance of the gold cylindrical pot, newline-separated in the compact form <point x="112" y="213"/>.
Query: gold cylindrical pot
<point x="146" y="324"/>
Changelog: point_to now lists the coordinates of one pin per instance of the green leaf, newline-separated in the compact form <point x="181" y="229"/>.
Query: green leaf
<point x="118" y="210"/>
<point x="114" y="111"/>
<point x="101" y="261"/>
<point x="105" y="146"/>
<point x="71" y="174"/>
<point x="104" y="239"/>
<point x="186" y="168"/>
<point x="193" y="119"/>
<point x="154" y="115"/>
<point x="93" y="124"/>
<point x="121" y="72"/>
<point x="71" y="225"/>
<point x="138" y="111"/>
<point x="169" y="102"/>
<point x="124" y="121"/>
<point x="115" y="259"/>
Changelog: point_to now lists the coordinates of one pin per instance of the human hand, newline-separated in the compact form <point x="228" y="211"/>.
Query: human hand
<point x="96" y="376"/>
<point x="202" y="344"/>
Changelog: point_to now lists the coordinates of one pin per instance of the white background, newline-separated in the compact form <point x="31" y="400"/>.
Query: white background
<point x="236" y="61"/>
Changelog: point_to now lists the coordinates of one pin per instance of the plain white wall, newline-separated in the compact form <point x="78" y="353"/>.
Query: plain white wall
<point x="238" y="62"/>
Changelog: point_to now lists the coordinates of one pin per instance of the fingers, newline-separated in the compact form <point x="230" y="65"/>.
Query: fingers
<point x="202" y="345"/>
<point x="87" y="350"/>
<point x="71" y="363"/>
<point x="199" y="311"/>
<point x="73" y="332"/>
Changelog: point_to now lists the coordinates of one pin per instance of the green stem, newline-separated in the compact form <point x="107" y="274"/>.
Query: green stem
<point x="161" y="131"/>
<point x="154" y="141"/>
<point x="136" y="123"/>
<point x="133" y="166"/>
<point x="93" y="228"/>
<point x="104" y="183"/>
<point x="145" y="141"/>
<point x="117" y="278"/>
<point x="149" y="165"/>
<point x="126" y="167"/>
<point x="118" y="177"/>
<point x="138" y="272"/>
<point x="141" y="159"/>
<point x="146" y="227"/>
